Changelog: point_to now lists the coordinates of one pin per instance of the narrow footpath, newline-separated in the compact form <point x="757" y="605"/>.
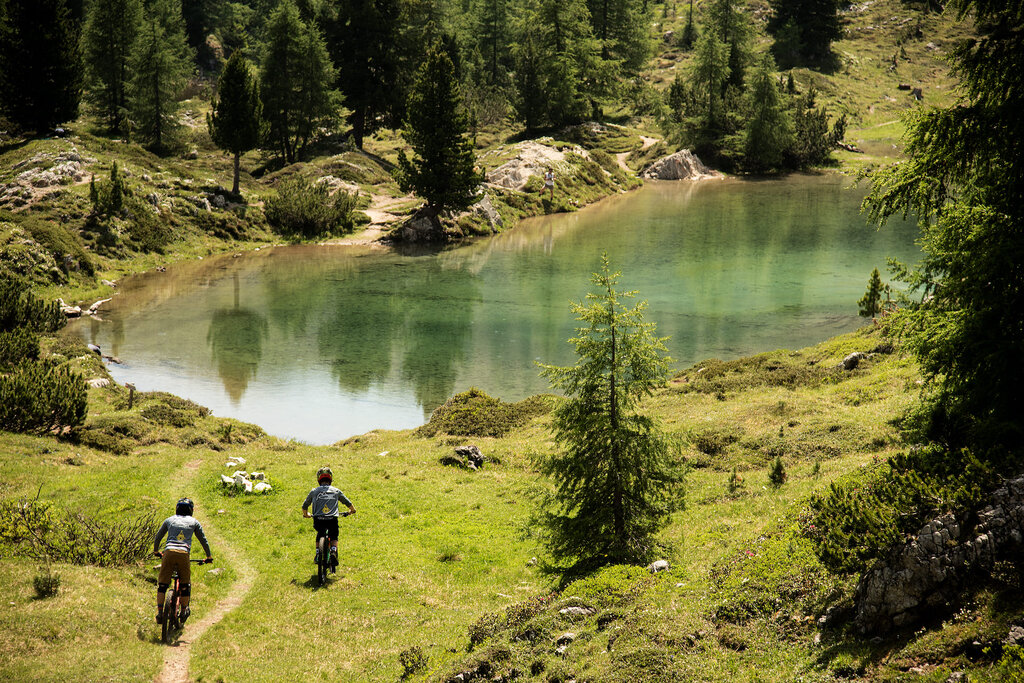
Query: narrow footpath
<point x="177" y="656"/>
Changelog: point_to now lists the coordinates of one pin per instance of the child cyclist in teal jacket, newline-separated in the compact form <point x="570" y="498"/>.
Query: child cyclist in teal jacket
<point x="324" y="500"/>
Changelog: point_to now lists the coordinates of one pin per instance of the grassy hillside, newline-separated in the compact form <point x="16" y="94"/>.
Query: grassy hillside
<point x="434" y="549"/>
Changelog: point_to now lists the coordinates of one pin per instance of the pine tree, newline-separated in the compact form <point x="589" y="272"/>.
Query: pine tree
<point x="441" y="170"/>
<point x="295" y="82"/>
<point x="236" y="122"/>
<point x="615" y="476"/>
<point x="111" y="27"/>
<point x="621" y="29"/>
<point x="730" y="25"/>
<point x="40" y="64"/>
<point x="710" y="74"/>
<point x="871" y="303"/>
<point x="362" y="39"/>
<point x="161" y="63"/>
<point x="492" y="37"/>
<point x="804" y="30"/>
<point x="768" y="130"/>
<point x="964" y="178"/>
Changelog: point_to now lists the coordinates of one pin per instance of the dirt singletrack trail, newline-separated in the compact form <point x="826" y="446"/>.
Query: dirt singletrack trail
<point x="178" y="655"/>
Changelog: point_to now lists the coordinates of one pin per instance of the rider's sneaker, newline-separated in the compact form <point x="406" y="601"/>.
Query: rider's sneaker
<point x="185" y="613"/>
<point x="334" y="558"/>
<point x="160" y="617"/>
<point x="316" y="558"/>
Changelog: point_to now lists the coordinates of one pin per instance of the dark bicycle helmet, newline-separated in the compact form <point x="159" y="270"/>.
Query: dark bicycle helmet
<point x="185" y="507"/>
<point x="324" y="473"/>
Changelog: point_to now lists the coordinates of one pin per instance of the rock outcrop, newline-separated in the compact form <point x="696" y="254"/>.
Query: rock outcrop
<point x="532" y="158"/>
<point x="683" y="165"/>
<point x="929" y="572"/>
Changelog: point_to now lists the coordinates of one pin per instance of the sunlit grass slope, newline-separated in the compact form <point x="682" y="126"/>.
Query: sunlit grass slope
<point x="434" y="549"/>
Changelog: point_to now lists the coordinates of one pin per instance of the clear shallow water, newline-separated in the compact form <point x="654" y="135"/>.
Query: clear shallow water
<point x="320" y="343"/>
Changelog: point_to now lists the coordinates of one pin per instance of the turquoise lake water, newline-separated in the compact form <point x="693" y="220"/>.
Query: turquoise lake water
<point x="319" y="343"/>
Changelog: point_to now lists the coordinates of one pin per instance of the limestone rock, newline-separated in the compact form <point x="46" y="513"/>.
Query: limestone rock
<point x="226" y="480"/>
<point x="683" y="165"/>
<point x="98" y="382"/>
<point x="565" y="638"/>
<point x="486" y="209"/>
<point x="928" y="572"/>
<point x="474" y="458"/>
<point x="853" y="360"/>
<point x="261" y="487"/>
<point x="659" y="566"/>
<point x="532" y="158"/>
<point x="577" y="611"/>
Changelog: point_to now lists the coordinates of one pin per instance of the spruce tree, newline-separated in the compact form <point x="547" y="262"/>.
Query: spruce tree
<point x="295" y="81"/>
<point x="493" y="32"/>
<point x="964" y="179"/>
<point x="237" y="118"/>
<point x="441" y="170"/>
<point x="161" y="63"/>
<point x="804" y="30"/>
<point x="768" y="130"/>
<point x="40" y="64"/>
<point x="362" y="38"/>
<point x="871" y="303"/>
<point x="615" y="475"/>
<point x="727" y="20"/>
<point x="710" y="75"/>
<point x="621" y="29"/>
<point x="111" y="27"/>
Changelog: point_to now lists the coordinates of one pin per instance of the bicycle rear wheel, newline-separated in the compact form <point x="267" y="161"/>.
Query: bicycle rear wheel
<point x="170" y="621"/>
<point x="322" y="566"/>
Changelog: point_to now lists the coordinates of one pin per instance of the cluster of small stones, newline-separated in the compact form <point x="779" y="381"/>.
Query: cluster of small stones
<point x="466" y="457"/>
<point x="247" y="482"/>
<point x="928" y="573"/>
<point x="46" y="170"/>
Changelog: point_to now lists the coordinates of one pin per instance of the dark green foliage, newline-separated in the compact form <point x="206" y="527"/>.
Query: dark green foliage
<point x="813" y="138"/>
<point x="734" y="484"/>
<point x="474" y="413"/>
<point x="161" y="63"/>
<point x="46" y="583"/>
<point x="17" y="345"/>
<point x="616" y="476"/>
<point x="859" y="519"/>
<point x="804" y="31"/>
<point x="166" y="415"/>
<point x="768" y="131"/>
<point x="66" y="250"/>
<point x="871" y="303"/>
<point x="20" y="308"/>
<point x="730" y="24"/>
<point x="714" y="441"/>
<point x="621" y="29"/>
<point x="111" y="27"/>
<point x="38" y="399"/>
<point x="236" y="122"/>
<point x="777" y="473"/>
<point x="964" y="179"/>
<point x="362" y="38"/>
<point x="442" y="170"/>
<point x="43" y="532"/>
<point x="304" y="209"/>
<point x="763" y="370"/>
<point x="40" y="63"/>
<point x="413" y="661"/>
<point x="295" y="82"/>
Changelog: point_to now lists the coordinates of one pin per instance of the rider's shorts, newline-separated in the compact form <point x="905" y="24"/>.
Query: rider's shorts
<point x="175" y="559"/>
<point x="326" y="525"/>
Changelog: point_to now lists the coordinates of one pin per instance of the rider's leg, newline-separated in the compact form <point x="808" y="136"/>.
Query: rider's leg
<point x="186" y="595"/>
<point x="161" y="591"/>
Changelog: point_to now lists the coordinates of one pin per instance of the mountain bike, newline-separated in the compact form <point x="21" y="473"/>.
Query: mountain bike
<point x="323" y="556"/>
<point x="170" y="621"/>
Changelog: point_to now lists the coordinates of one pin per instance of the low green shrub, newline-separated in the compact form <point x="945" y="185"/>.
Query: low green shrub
<point x="512" y="619"/>
<point x="18" y="345"/>
<point x="413" y="661"/>
<point x="38" y="399"/>
<point x="103" y="441"/>
<point x="775" y="369"/>
<point x="305" y="209"/>
<point x="474" y="413"/>
<point x="863" y="516"/>
<point x="777" y="473"/>
<point x="57" y="239"/>
<point x="45" y="532"/>
<point x="20" y="308"/>
<point x="611" y="586"/>
<point x="161" y="413"/>
<point x="714" y="441"/>
<point x="46" y="583"/>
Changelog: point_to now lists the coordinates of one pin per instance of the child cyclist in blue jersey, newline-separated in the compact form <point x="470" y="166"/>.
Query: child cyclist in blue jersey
<point x="324" y="500"/>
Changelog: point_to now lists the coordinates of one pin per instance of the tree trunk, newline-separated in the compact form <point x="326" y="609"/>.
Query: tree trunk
<point x="234" y="184"/>
<point x="359" y="125"/>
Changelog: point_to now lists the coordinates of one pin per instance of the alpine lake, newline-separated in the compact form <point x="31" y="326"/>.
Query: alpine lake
<point x="318" y="343"/>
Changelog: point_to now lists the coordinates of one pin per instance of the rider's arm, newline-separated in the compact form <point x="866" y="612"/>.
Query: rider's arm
<point x="159" y="535"/>
<point x="307" y="503"/>
<point x="202" y="539"/>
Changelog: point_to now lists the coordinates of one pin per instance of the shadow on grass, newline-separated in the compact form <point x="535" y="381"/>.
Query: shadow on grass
<point x="313" y="583"/>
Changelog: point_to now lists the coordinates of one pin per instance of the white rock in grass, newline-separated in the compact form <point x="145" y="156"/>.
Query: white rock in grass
<point x="257" y="476"/>
<point x="225" y="479"/>
<point x="659" y="566"/>
<point x="261" y="486"/>
<point x="240" y="460"/>
<point x="98" y="382"/>
<point x="241" y="480"/>
<point x="248" y="486"/>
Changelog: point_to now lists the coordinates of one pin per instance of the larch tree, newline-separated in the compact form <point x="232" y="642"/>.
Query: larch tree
<point x="161" y="63"/>
<point x="616" y="475"/>
<point x="442" y="169"/>
<point x="236" y="122"/>
<point x="804" y="30"/>
<point x="40" y="64"/>
<point x="769" y="130"/>
<point x="731" y="25"/>
<point x="295" y="82"/>
<point x="964" y="179"/>
<point x="108" y="36"/>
